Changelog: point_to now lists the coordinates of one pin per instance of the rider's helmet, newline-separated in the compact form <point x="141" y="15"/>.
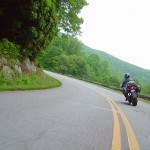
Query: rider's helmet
<point x="127" y="76"/>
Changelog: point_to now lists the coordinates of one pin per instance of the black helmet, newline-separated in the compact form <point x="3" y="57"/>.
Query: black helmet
<point x="127" y="76"/>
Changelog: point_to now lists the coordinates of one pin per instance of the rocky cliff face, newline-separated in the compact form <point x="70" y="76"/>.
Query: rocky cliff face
<point x="10" y="68"/>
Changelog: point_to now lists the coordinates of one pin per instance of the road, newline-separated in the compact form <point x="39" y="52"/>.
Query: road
<point x="75" y="116"/>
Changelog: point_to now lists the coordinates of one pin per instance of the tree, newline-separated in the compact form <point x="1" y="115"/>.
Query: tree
<point x="95" y="63"/>
<point x="50" y="58"/>
<point x="69" y="20"/>
<point x="33" y="24"/>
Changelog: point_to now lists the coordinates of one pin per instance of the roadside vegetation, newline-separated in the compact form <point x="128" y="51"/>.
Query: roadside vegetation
<point x="23" y="79"/>
<point x="25" y="82"/>
<point x="66" y="55"/>
<point x="27" y="27"/>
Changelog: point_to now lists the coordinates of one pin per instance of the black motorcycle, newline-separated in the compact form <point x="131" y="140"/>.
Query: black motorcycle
<point x="132" y="92"/>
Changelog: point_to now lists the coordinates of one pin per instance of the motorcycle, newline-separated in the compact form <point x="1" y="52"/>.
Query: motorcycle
<point x="132" y="92"/>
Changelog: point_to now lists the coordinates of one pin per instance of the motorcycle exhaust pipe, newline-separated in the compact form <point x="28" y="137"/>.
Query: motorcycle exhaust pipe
<point x="129" y="94"/>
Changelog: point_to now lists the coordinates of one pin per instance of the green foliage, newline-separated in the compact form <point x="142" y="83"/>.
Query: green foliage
<point x="119" y="67"/>
<point x="8" y="49"/>
<point x="145" y="89"/>
<point x="24" y="82"/>
<point x="65" y="55"/>
<point x="137" y="81"/>
<point x="72" y="65"/>
<point x="33" y="24"/>
<point x="68" y="13"/>
<point x="114" y="80"/>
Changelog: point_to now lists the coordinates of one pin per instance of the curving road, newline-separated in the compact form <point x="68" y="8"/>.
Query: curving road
<point x="75" y="116"/>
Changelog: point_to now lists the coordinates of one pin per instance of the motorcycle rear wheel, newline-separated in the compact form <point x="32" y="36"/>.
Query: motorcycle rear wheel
<point x="129" y="101"/>
<point x="134" y="101"/>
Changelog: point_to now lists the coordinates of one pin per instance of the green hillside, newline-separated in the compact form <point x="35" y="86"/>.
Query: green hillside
<point x="120" y="67"/>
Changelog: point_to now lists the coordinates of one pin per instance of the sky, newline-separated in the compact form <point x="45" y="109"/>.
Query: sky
<point x="120" y="28"/>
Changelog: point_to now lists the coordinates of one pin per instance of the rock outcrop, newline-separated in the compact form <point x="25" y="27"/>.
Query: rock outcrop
<point x="28" y="65"/>
<point x="7" y="72"/>
<point x="10" y="68"/>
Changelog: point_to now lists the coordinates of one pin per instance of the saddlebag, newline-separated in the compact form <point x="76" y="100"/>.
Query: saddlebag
<point x="138" y="89"/>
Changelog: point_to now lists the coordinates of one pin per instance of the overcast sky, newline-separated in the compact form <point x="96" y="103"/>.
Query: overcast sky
<point x="120" y="28"/>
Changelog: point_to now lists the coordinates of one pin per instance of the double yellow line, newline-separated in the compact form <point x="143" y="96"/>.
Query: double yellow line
<point x="116" y="140"/>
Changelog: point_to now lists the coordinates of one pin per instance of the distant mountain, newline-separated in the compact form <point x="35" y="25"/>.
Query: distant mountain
<point x="120" y="67"/>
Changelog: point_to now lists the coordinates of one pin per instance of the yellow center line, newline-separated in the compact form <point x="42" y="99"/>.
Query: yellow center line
<point x="133" y="143"/>
<point x="116" y="140"/>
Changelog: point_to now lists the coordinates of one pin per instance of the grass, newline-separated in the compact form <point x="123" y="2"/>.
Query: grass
<point x="25" y="82"/>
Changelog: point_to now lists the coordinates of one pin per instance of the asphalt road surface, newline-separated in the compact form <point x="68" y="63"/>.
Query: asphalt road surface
<point x="75" y="116"/>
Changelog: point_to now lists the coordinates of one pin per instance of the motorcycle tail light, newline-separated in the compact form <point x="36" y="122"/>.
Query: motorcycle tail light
<point x="132" y="88"/>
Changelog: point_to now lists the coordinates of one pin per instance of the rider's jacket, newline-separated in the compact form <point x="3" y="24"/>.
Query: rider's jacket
<point x="124" y="83"/>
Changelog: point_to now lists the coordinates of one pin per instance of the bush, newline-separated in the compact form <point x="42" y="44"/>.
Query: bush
<point x="9" y="49"/>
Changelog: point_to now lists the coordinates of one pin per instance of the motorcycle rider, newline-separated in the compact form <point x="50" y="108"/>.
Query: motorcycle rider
<point x="124" y="84"/>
